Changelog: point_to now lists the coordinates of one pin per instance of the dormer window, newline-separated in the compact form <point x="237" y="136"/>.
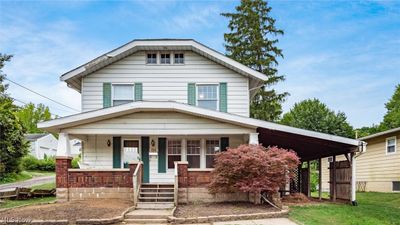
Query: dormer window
<point x="179" y="58"/>
<point x="122" y="94"/>
<point x="151" y="58"/>
<point x="165" y="58"/>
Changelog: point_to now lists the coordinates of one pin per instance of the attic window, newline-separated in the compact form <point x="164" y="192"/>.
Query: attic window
<point x="165" y="58"/>
<point x="151" y="58"/>
<point x="179" y="58"/>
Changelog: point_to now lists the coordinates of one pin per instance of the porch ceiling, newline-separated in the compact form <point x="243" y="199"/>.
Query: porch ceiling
<point x="307" y="148"/>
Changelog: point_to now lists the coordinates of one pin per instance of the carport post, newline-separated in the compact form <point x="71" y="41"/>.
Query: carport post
<point x="334" y="179"/>
<point x="319" y="178"/>
<point x="308" y="179"/>
<point x="353" y="179"/>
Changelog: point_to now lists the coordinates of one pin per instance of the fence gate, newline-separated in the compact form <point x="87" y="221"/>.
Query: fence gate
<point x="343" y="180"/>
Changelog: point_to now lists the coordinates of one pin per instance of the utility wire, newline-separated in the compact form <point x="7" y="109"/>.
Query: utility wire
<point x="24" y="103"/>
<point x="41" y="94"/>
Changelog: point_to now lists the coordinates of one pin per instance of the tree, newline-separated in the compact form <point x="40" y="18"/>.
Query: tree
<point x="253" y="168"/>
<point x="252" y="42"/>
<point x="12" y="142"/>
<point x="392" y="117"/>
<point x="314" y="115"/>
<point x="30" y="116"/>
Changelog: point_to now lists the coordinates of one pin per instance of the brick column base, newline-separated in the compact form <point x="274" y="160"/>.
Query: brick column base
<point x="63" y="163"/>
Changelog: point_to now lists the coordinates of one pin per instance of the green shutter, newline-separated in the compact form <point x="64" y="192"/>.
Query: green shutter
<point x="106" y="95"/>
<point x="223" y="97"/>
<point x="162" y="154"/>
<point x="138" y="92"/>
<point x="224" y="143"/>
<point x="145" y="159"/>
<point x="116" y="152"/>
<point x="192" y="94"/>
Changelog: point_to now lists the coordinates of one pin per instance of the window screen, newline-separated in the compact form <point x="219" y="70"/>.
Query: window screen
<point x="122" y="94"/>
<point x="193" y="153"/>
<point x="212" y="148"/>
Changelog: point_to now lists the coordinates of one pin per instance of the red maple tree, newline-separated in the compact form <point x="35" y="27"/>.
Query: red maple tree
<point x="253" y="168"/>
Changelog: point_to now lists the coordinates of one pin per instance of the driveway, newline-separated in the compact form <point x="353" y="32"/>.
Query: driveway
<point x="28" y="183"/>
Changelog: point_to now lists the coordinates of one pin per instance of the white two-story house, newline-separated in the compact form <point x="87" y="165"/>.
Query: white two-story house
<point x="163" y="101"/>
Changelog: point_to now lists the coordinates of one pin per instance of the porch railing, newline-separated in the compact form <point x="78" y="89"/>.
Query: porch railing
<point x="176" y="184"/>
<point x="137" y="182"/>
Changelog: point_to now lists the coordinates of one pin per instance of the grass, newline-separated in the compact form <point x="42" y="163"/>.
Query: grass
<point x="323" y="194"/>
<point x="47" y="186"/>
<point x="373" y="208"/>
<point x="23" y="175"/>
<point x="15" y="203"/>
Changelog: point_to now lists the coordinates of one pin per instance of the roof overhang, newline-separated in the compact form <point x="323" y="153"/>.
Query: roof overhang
<point x="73" y="77"/>
<point x="383" y="133"/>
<point x="300" y="140"/>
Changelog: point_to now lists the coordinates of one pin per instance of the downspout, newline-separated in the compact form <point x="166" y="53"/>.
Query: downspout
<point x="361" y="149"/>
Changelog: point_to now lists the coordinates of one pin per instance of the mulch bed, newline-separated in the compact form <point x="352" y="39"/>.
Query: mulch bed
<point x="299" y="199"/>
<point x="88" y="209"/>
<point x="215" y="209"/>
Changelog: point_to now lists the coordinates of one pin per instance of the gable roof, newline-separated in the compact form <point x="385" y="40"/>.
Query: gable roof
<point x="34" y="137"/>
<point x="73" y="77"/>
<point x="381" y="133"/>
<point x="140" y="106"/>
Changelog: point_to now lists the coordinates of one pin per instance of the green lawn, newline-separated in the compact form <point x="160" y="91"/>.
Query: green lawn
<point x="373" y="208"/>
<point x="14" y="203"/>
<point x="47" y="186"/>
<point x="24" y="175"/>
<point x="323" y="194"/>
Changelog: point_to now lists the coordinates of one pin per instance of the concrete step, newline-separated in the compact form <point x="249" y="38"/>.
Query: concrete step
<point x="155" y="205"/>
<point x="145" y="221"/>
<point x="149" y="214"/>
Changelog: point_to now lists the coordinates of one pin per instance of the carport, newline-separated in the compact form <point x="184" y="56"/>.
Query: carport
<point x="311" y="146"/>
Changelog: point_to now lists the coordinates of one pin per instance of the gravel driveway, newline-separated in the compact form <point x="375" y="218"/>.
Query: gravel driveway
<point x="28" y="183"/>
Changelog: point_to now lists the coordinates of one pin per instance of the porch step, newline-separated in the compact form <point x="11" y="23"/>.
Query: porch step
<point x="155" y="205"/>
<point x="156" y="193"/>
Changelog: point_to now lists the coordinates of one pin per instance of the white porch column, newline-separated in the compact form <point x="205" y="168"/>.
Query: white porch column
<point x="64" y="145"/>
<point x="253" y="138"/>
<point x="353" y="180"/>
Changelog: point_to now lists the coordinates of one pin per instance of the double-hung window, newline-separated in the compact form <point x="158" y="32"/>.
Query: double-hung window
<point x="212" y="148"/>
<point x="207" y="96"/>
<point x="174" y="152"/>
<point x="165" y="58"/>
<point x="193" y="153"/>
<point x="122" y="94"/>
<point x="390" y="145"/>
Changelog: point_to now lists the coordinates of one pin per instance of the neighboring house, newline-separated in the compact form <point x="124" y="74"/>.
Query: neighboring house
<point x="173" y="104"/>
<point x="41" y="145"/>
<point x="378" y="168"/>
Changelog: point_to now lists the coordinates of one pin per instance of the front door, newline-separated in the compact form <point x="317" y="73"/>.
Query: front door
<point x="130" y="151"/>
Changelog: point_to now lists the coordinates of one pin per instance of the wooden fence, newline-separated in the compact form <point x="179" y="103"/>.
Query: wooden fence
<point x="26" y="193"/>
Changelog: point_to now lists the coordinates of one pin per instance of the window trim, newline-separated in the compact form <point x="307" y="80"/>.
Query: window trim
<point x="112" y="91"/>
<point x="170" y="58"/>
<point x="395" y="145"/>
<point x="207" y="84"/>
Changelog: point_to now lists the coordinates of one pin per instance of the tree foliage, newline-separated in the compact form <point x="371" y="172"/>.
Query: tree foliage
<point x="12" y="143"/>
<point x="252" y="41"/>
<point x="314" y="115"/>
<point x="30" y="116"/>
<point x="392" y="117"/>
<point x="253" y="168"/>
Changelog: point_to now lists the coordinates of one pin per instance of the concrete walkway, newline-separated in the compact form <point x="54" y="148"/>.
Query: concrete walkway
<point x="28" y="183"/>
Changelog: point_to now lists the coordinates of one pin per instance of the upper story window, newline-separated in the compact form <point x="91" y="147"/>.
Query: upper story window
<point x="151" y="58"/>
<point x="390" y="145"/>
<point x="122" y="94"/>
<point x="207" y="96"/>
<point x="179" y="58"/>
<point x="165" y="58"/>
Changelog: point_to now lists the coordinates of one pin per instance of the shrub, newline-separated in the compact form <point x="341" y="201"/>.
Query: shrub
<point x="29" y="162"/>
<point x="253" y="168"/>
<point x="75" y="163"/>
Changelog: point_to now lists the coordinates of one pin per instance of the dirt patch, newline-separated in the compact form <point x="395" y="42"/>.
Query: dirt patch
<point x="215" y="209"/>
<point x="299" y="199"/>
<point x="88" y="209"/>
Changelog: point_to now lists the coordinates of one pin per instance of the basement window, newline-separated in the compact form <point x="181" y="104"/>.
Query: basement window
<point x="396" y="185"/>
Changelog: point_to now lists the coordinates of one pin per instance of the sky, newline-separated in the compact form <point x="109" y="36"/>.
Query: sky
<point x="345" y="53"/>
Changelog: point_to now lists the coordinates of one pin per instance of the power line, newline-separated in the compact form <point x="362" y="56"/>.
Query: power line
<point x="40" y="94"/>
<point x="24" y="103"/>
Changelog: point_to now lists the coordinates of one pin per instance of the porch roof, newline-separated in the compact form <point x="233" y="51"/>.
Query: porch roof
<point x="308" y="144"/>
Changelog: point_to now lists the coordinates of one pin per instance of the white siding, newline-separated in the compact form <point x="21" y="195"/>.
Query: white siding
<point x="166" y="82"/>
<point x="158" y="123"/>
